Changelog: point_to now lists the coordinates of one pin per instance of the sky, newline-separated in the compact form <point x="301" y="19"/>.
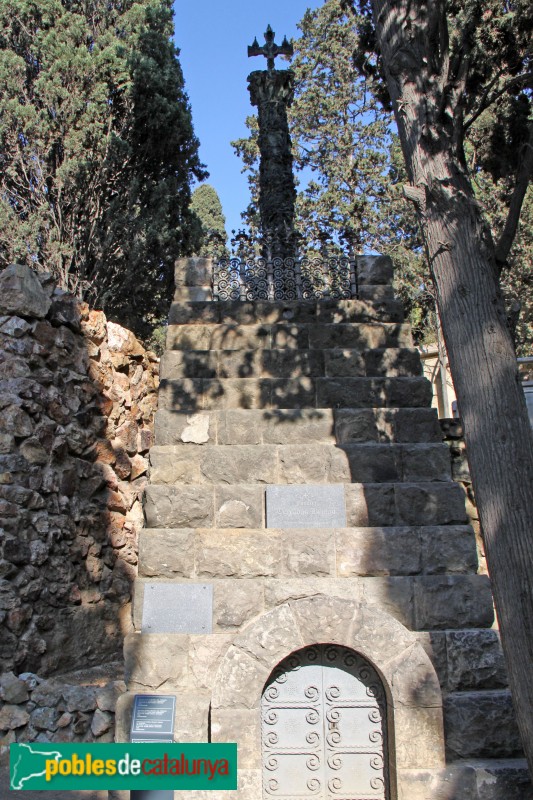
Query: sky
<point x="213" y="38"/>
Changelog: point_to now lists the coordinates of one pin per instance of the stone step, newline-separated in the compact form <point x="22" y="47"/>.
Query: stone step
<point x="380" y="362"/>
<point x="195" y="394"/>
<point x="342" y="425"/>
<point x="193" y="278"/>
<point x="424" y="602"/>
<point x="297" y="336"/>
<point x="243" y="505"/>
<point x="341" y="552"/>
<point x="481" y="725"/>
<point x="247" y="313"/>
<point x="479" y="779"/>
<point x="466" y="660"/>
<point x="299" y="463"/>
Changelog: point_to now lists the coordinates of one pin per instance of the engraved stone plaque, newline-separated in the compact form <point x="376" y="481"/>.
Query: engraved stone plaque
<point x="177" y="608"/>
<point x="305" y="507"/>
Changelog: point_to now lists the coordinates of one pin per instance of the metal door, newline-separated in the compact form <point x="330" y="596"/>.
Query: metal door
<point x="324" y="728"/>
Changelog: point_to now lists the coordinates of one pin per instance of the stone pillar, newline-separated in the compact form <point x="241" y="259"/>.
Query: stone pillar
<point x="193" y="279"/>
<point x="374" y="278"/>
<point x="272" y="92"/>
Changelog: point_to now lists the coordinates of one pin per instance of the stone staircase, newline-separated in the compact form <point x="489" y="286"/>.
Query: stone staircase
<point x="264" y="394"/>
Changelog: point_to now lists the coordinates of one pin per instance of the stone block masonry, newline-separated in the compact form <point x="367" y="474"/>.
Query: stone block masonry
<point x="78" y="397"/>
<point x="324" y="400"/>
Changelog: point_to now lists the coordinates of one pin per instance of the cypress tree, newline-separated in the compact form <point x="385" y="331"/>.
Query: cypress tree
<point x="98" y="150"/>
<point x="206" y="205"/>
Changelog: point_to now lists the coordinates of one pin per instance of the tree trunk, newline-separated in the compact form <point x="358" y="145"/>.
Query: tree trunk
<point x="412" y="37"/>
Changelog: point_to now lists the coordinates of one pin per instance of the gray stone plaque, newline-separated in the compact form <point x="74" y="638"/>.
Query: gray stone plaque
<point x="152" y="794"/>
<point x="305" y="506"/>
<point x="153" y="718"/>
<point x="177" y="608"/>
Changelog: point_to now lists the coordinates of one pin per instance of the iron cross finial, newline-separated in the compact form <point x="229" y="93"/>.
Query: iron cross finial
<point x="270" y="49"/>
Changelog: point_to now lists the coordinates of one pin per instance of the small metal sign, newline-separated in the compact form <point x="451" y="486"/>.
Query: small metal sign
<point x="153" y="718"/>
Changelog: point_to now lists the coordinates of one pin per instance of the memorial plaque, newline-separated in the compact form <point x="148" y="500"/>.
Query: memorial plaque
<point x="152" y="794"/>
<point x="305" y="506"/>
<point x="177" y="608"/>
<point x="153" y="718"/>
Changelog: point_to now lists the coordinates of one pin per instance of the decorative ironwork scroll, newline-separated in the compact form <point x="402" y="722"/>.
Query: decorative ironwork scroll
<point x="285" y="279"/>
<point x="324" y="728"/>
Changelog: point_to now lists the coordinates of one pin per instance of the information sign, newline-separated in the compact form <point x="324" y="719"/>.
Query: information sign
<point x="153" y="718"/>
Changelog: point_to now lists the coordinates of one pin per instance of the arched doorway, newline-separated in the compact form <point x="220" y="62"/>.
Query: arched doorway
<point x="323" y="722"/>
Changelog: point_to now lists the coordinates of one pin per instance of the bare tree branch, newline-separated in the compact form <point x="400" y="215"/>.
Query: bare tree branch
<point x="525" y="171"/>
<point x="488" y="99"/>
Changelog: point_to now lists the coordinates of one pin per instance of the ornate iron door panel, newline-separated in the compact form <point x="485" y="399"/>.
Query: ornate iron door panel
<point x="323" y="724"/>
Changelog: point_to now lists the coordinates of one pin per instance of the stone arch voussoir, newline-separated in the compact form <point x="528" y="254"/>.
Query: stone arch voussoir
<point x="408" y="675"/>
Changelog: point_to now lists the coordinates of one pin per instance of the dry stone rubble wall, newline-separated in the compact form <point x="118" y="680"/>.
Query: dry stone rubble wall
<point x="78" y="395"/>
<point x="34" y="709"/>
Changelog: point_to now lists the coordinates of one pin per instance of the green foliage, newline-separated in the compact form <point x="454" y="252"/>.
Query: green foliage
<point x="157" y="340"/>
<point x="247" y="149"/>
<point x="339" y="132"/>
<point x="517" y="279"/>
<point x="206" y="205"/>
<point x="344" y="140"/>
<point x="98" y="150"/>
<point x="343" y="134"/>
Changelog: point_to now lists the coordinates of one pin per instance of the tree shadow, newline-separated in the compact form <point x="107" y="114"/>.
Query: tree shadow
<point x="413" y="559"/>
<point x="78" y="419"/>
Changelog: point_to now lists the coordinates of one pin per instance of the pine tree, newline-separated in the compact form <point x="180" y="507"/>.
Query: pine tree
<point x="206" y="205"/>
<point x="98" y="150"/>
<point x="343" y="131"/>
<point x="343" y="138"/>
<point x="493" y="160"/>
<point x="447" y="66"/>
<point x="339" y="132"/>
<point x="247" y="149"/>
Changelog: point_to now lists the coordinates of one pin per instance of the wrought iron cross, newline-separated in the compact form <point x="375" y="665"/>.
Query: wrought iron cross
<point x="270" y="49"/>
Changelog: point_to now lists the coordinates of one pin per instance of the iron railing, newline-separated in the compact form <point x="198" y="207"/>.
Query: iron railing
<point x="285" y="279"/>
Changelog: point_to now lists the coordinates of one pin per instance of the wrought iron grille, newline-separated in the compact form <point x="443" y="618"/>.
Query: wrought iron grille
<point x="285" y="279"/>
<point x="324" y="726"/>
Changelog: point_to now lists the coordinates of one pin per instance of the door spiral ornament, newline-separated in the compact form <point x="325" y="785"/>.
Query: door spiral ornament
<point x="324" y="728"/>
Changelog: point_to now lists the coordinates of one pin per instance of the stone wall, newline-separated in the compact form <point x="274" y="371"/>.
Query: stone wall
<point x="78" y="394"/>
<point x="33" y="709"/>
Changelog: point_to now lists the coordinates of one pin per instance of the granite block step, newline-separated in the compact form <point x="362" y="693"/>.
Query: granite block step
<point x="243" y="505"/>
<point x="196" y="394"/>
<point x="203" y="293"/>
<point x="425" y="602"/>
<point x="369" y="269"/>
<point x="299" y="463"/>
<point x="265" y="312"/>
<point x="466" y="660"/>
<point x="193" y="553"/>
<point x="479" y="779"/>
<point x="481" y="725"/>
<point x="380" y="362"/>
<point x="297" y="336"/>
<point x="285" y="426"/>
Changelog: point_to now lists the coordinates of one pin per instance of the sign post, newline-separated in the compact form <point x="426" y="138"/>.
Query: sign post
<point x="152" y="721"/>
